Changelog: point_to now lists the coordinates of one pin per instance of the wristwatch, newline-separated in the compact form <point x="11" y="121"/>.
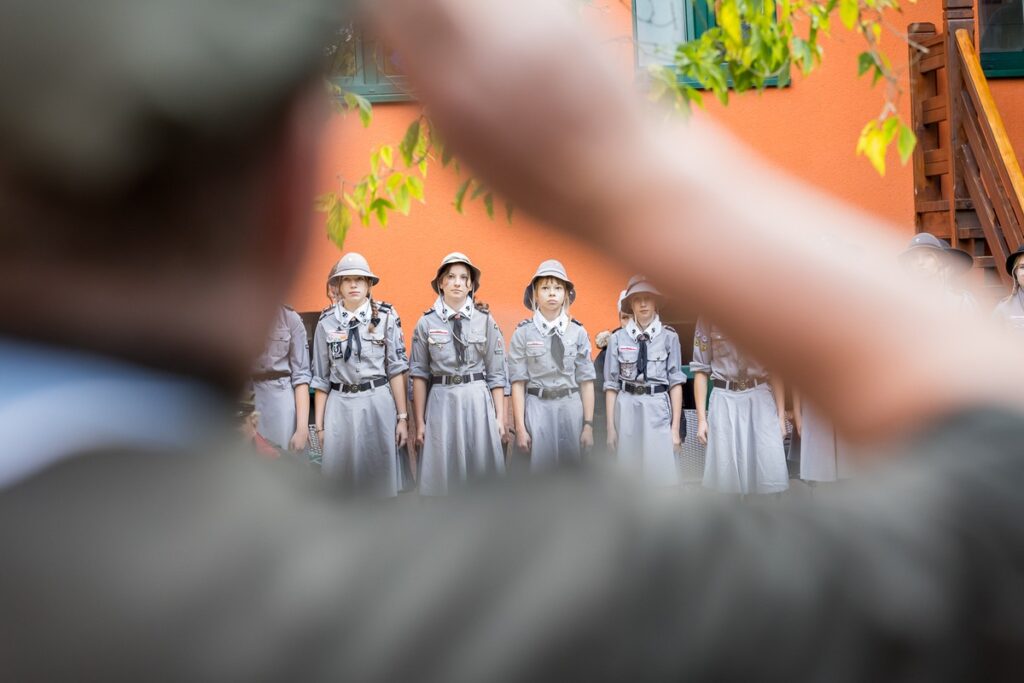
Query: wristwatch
<point x="588" y="423"/>
<point x="403" y="416"/>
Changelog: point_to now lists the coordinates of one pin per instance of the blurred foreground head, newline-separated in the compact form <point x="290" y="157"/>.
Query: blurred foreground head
<point x="156" y="163"/>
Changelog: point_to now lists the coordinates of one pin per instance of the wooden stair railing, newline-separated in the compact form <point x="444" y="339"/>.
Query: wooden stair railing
<point x="968" y="185"/>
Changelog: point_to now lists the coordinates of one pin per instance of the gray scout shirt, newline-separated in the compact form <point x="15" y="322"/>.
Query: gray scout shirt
<point x="715" y="354"/>
<point x="1010" y="311"/>
<point x="286" y="350"/>
<point x="531" y="361"/>
<point x="379" y="353"/>
<point x="664" y="356"/>
<point x="433" y="345"/>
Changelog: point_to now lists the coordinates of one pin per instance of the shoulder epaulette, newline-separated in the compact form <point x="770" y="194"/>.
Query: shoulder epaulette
<point x="669" y="327"/>
<point x="428" y="311"/>
<point x="326" y="311"/>
<point x="289" y="308"/>
<point x="576" y="321"/>
<point x="384" y="305"/>
<point x="523" y="322"/>
<point x="482" y="307"/>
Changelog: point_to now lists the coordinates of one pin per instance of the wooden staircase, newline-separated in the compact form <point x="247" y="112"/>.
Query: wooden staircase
<point x="968" y="185"/>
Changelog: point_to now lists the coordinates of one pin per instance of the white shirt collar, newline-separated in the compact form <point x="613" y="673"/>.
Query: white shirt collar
<point x="558" y="325"/>
<point x="654" y="329"/>
<point x="344" y="316"/>
<point x="446" y="312"/>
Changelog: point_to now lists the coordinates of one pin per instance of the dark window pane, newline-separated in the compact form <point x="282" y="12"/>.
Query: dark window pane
<point x="343" y="53"/>
<point x="1002" y="25"/>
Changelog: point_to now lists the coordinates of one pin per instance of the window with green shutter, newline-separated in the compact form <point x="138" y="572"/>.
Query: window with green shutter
<point x="1002" y="37"/>
<point x="365" y="67"/>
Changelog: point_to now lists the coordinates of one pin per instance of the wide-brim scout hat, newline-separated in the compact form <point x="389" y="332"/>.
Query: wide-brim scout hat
<point x="100" y="95"/>
<point x="549" y="268"/>
<point x="958" y="259"/>
<point x="452" y="258"/>
<point x="1011" y="260"/>
<point x="353" y="265"/>
<point x="638" y="284"/>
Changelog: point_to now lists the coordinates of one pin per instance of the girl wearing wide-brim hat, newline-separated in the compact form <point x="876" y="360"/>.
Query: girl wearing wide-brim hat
<point x="744" y="426"/>
<point x="359" y="366"/>
<point x="930" y="259"/>
<point x="458" y="355"/>
<point x="643" y="380"/>
<point x="552" y="374"/>
<point x="1010" y="311"/>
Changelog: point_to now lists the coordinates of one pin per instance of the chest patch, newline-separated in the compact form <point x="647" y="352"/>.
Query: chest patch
<point x="535" y="344"/>
<point x="333" y="337"/>
<point x="440" y="332"/>
<point x="629" y="348"/>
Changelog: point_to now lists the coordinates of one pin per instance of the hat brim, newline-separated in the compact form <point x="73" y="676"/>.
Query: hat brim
<point x="528" y="292"/>
<point x="373" y="279"/>
<point x="474" y="271"/>
<point x="1012" y="259"/>
<point x="960" y="260"/>
<point x="624" y="306"/>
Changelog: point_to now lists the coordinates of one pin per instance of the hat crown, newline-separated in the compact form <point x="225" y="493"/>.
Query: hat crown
<point x="551" y="268"/>
<point x="926" y="239"/>
<point x="353" y="261"/>
<point x="455" y="257"/>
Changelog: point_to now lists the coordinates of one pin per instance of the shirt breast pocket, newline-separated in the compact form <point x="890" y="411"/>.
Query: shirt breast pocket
<point x="627" y="361"/>
<point x="277" y="347"/>
<point x="657" y="364"/>
<point x="373" y="342"/>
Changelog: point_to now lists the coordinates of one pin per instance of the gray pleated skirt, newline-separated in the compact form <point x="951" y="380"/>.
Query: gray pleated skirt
<point x="461" y="441"/>
<point x="644" y="427"/>
<point x="555" y="427"/>
<point x="275" y="402"/>
<point x="359" y="441"/>
<point x="745" y="450"/>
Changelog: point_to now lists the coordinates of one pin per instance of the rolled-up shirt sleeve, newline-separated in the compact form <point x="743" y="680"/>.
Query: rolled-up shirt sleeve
<point x="298" y="352"/>
<point x="495" y="360"/>
<point x="321" y="361"/>
<point x="419" y="359"/>
<point x="701" y="348"/>
<point x="676" y="376"/>
<point x="397" y="361"/>
<point x="611" y="364"/>
<point x="584" y="363"/>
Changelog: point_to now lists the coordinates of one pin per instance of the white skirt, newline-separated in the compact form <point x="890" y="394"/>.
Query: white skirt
<point x="745" y="450"/>
<point x="462" y="441"/>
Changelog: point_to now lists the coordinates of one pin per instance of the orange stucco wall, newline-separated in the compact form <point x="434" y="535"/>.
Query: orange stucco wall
<point x="808" y="129"/>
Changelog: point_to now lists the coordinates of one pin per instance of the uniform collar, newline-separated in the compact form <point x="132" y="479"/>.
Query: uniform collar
<point x="559" y="325"/>
<point x="654" y="329"/>
<point x="446" y="313"/>
<point x="362" y="314"/>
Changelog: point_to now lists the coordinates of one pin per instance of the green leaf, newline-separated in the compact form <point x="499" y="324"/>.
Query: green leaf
<point x="410" y="142"/>
<point x="889" y="129"/>
<point x="326" y="202"/>
<point x="848" y="12"/>
<point x="906" y="143"/>
<point x="489" y="205"/>
<point x="480" y="189"/>
<point x="395" y="180"/>
<point x="387" y="155"/>
<point x="381" y="206"/>
<point x="729" y="20"/>
<point x="460" y="194"/>
<point x="509" y="209"/>
<point x="338" y="222"/>
<point x="415" y="186"/>
<point x="354" y="101"/>
<point x="865" y="61"/>
<point x="403" y="201"/>
<point x="446" y="156"/>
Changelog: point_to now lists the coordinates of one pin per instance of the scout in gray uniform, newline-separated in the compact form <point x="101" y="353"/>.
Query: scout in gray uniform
<point x="358" y="352"/>
<point x="458" y="355"/>
<point x="824" y="455"/>
<point x="744" y="426"/>
<point x="280" y="382"/>
<point x="1010" y="311"/>
<point x="931" y="260"/>
<point x="643" y="380"/>
<point x="552" y="374"/>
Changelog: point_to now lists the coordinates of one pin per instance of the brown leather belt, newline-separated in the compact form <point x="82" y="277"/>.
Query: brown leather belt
<point x="739" y="385"/>
<point x="267" y="376"/>
<point x="457" y="379"/>
<point x="357" y="388"/>
<point x="551" y="394"/>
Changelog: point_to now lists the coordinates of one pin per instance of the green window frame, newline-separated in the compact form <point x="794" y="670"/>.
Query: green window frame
<point x="697" y="17"/>
<point x="1001" y="43"/>
<point x="362" y="66"/>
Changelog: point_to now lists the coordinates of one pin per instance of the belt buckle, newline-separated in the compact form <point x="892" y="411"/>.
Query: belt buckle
<point x="457" y="379"/>
<point x="743" y="384"/>
<point x="350" y="388"/>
